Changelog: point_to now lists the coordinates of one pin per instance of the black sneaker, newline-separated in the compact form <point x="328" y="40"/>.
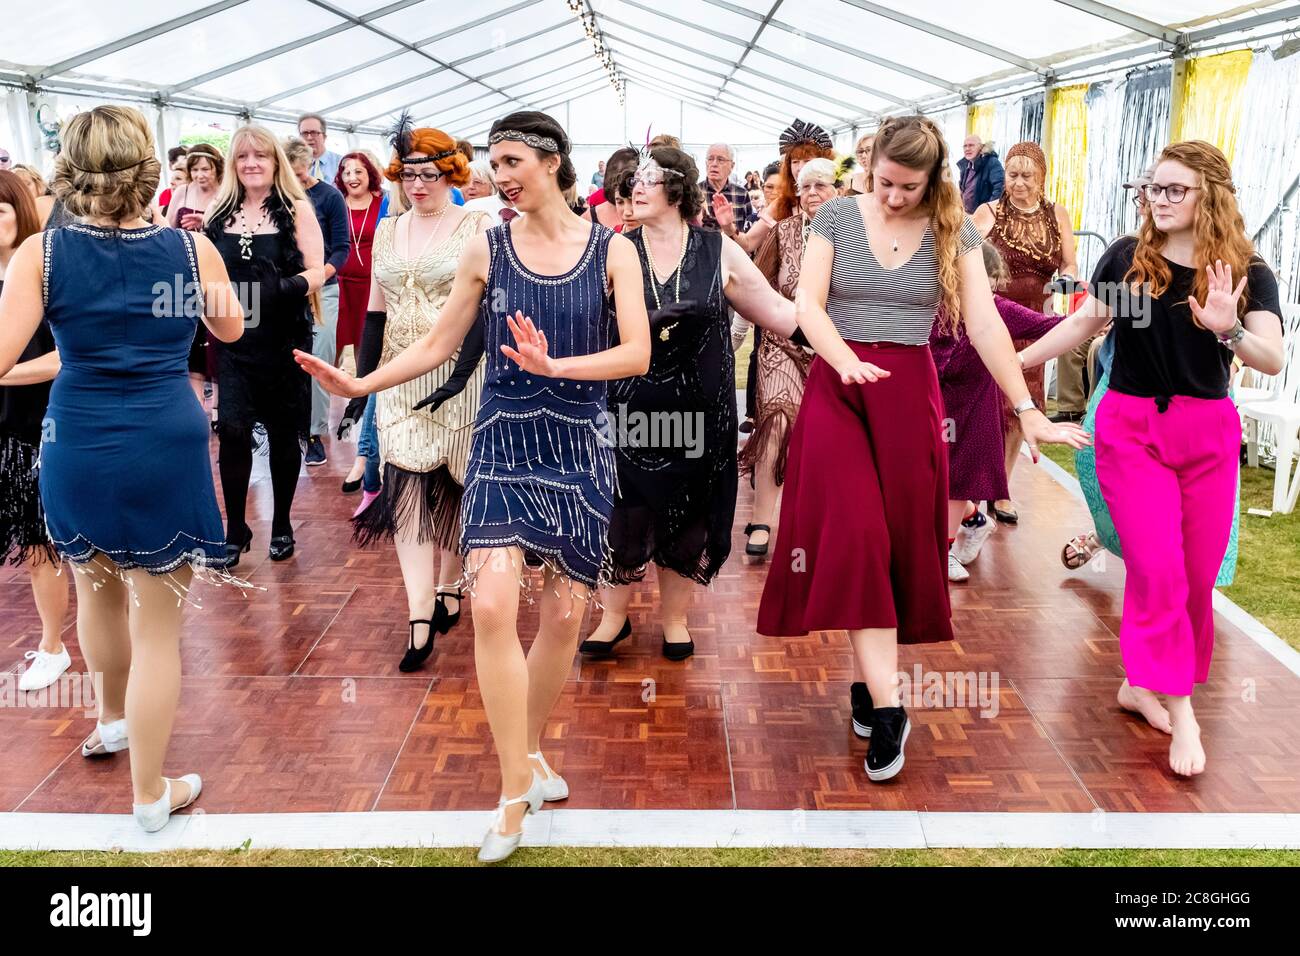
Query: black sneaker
<point x="861" y="699"/>
<point x="315" y="451"/>
<point x="889" y="730"/>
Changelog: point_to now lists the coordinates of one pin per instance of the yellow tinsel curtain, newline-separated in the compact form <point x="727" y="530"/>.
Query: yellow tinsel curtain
<point x="979" y="120"/>
<point x="1212" y="103"/>
<point x="1067" y="152"/>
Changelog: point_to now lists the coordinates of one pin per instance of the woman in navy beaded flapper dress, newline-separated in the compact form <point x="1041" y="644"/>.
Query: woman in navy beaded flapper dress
<point x="125" y="478"/>
<point x="541" y="477"/>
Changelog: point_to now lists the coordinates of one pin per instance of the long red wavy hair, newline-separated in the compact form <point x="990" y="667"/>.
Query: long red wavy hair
<point x="787" y="195"/>
<point x="1218" y="228"/>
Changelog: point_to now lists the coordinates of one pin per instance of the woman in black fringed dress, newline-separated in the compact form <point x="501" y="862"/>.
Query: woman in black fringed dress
<point x="674" y="427"/>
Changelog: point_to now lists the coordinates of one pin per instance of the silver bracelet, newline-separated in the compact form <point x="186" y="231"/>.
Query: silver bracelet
<point x="1024" y="406"/>
<point x="1232" y="338"/>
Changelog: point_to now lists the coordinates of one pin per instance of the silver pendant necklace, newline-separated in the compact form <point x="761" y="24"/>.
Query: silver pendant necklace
<point x="246" y="235"/>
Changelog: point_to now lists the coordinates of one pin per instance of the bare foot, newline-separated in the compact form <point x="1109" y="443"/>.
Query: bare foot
<point x="1186" y="755"/>
<point x="676" y="633"/>
<point x="1143" y="702"/>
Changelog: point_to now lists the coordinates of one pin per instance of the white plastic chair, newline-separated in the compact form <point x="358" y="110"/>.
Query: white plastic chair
<point x="1278" y="406"/>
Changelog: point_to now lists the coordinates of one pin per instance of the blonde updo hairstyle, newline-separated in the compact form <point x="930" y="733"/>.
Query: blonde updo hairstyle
<point x="108" y="168"/>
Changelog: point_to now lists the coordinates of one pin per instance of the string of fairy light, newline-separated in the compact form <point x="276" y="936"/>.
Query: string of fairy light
<point x="582" y="10"/>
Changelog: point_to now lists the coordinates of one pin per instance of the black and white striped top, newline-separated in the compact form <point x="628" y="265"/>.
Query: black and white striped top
<point x="869" y="303"/>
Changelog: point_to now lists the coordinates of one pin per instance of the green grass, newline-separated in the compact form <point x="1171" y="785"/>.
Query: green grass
<point x="1268" y="562"/>
<point x="660" y="856"/>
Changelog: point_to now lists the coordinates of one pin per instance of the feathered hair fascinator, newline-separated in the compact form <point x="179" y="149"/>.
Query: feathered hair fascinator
<point x="801" y="132"/>
<point x="844" y="168"/>
<point x="400" y="134"/>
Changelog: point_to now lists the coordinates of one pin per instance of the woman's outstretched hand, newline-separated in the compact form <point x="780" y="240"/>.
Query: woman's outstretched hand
<point x="1219" y="314"/>
<point x="333" y="380"/>
<point x="859" y="373"/>
<point x="531" y="349"/>
<point x="1039" y="431"/>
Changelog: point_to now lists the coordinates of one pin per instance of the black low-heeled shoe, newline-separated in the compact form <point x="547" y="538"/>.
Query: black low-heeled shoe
<point x="1004" y="517"/>
<point x="442" y="621"/>
<point x="605" y="648"/>
<point x="352" y="487"/>
<point x="282" y="547"/>
<point x="757" y="550"/>
<point x="234" y="549"/>
<point x="678" y="651"/>
<point x="416" y="656"/>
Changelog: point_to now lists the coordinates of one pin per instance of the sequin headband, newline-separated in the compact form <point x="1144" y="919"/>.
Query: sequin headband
<point x="407" y="161"/>
<point x="529" y="139"/>
<point x="651" y="172"/>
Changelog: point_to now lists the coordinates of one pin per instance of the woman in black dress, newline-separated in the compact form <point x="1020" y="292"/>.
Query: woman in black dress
<point x="674" y="427"/>
<point x="266" y="231"/>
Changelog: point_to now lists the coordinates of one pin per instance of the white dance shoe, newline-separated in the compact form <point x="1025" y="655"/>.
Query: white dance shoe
<point x="553" y="785"/>
<point x="152" y="817"/>
<point x="44" y="670"/>
<point x="497" y="845"/>
<point x="112" y="738"/>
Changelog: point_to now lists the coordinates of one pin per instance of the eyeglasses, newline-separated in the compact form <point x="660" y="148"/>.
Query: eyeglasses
<point x="1175" y="192"/>
<point x="424" y="176"/>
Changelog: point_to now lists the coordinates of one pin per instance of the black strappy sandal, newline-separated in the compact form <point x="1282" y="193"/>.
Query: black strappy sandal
<point x="416" y="656"/>
<point x="757" y="550"/>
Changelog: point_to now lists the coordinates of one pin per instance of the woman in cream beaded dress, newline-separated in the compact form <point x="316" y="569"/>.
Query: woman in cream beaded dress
<point x="424" y="445"/>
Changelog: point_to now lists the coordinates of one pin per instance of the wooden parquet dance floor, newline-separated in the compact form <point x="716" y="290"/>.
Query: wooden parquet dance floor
<point x="292" y="700"/>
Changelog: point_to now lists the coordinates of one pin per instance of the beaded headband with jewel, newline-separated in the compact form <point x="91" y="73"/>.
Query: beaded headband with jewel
<point x="528" y="139"/>
<point x="801" y="132"/>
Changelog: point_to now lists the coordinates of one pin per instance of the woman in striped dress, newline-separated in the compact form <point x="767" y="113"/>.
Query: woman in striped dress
<point x="424" y="450"/>
<point x="866" y="497"/>
<point x="546" y="289"/>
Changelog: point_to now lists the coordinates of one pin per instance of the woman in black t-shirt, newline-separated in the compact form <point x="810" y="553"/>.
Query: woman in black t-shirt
<point x="1168" y="435"/>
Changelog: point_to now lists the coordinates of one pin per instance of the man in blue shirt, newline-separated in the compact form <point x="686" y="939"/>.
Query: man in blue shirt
<point x="332" y="213"/>
<point x="324" y="164"/>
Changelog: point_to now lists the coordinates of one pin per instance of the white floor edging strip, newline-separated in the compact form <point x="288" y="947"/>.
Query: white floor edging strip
<point x="847" y="829"/>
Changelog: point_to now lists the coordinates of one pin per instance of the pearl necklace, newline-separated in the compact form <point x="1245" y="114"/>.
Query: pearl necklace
<point x="654" y="277"/>
<point x="437" y="217"/>
<point x="246" y="236"/>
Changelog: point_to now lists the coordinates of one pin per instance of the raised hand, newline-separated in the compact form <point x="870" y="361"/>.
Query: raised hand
<point x="723" y="212"/>
<point x="1039" y="431"/>
<point x="532" y="347"/>
<point x="859" y="373"/>
<point x="1219" y="313"/>
<point x="333" y="380"/>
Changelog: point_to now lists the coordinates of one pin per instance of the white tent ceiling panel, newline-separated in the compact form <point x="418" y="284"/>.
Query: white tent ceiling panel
<point x="496" y="33"/>
<point x="885" y="38"/>
<point x="841" y="63"/>
<point x="60" y="29"/>
<point x="359" y="8"/>
<point x="412" y="92"/>
<point x="401" y="65"/>
<point x="619" y="18"/>
<point x="826" y="84"/>
<point x="1035" y="31"/>
<point x="286" y="71"/>
<point x="220" y="40"/>
<point x="521" y="51"/>
<point x="505" y="75"/>
<point x="431" y="18"/>
<point x="711" y="18"/>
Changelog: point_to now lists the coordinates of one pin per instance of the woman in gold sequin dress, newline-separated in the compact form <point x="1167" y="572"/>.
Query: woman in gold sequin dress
<point x="424" y="450"/>
<point x="1036" y="240"/>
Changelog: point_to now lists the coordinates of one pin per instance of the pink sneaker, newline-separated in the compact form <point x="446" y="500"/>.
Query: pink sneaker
<point x="366" y="498"/>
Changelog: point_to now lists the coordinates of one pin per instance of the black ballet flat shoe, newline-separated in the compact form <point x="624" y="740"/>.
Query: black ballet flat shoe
<point x="352" y="487"/>
<point x="757" y="550"/>
<point x="416" y="656"/>
<point x="605" y="648"/>
<point x="442" y="621"/>
<point x="282" y="547"/>
<point x="234" y="549"/>
<point x="1004" y="517"/>
<point x="678" y="651"/>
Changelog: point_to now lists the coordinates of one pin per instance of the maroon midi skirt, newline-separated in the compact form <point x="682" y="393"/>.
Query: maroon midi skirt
<point x="863" y="538"/>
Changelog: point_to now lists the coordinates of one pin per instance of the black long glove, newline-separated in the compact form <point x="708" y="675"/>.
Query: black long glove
<point x="368" y="351"/>
<point x="471" y="351"/>
<point x="275" y="286"/>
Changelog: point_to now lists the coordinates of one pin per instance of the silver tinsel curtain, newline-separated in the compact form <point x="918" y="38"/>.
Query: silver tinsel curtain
<point x="1103" y="197"/>
<point x="1144" y="131"/>
<point x="1031" y="117"/>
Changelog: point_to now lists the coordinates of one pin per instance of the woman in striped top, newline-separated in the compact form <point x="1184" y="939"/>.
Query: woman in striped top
<point x="867" y="478"/>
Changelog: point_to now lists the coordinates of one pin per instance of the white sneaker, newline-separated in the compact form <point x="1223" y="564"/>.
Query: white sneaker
<point x="154" y="816"/>
<point x="497" y="845"/>
<point x="970" y="540"/>
<point x="45" y="669"/>
<point x="956" y="570"/>
<point x="553" y="785"/>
